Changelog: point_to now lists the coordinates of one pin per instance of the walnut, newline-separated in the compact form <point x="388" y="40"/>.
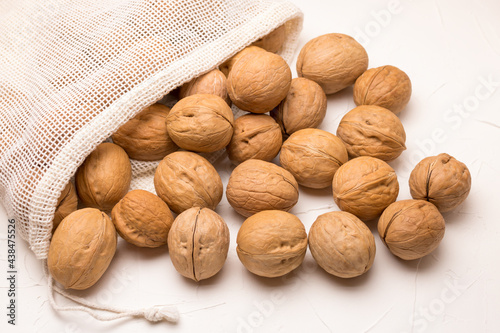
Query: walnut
<point x="334" y="61"/>
<point x="385" y="86"/>
<point x="142" y="219"/>
<point x="365" y="186"/>
<point x="104" y="178"/>
<point x="371" y="130"/>
<point x="184" y="180"/>
<point x="313" y="156"/>
<point x="342" y="244"/>
<point x="67" y="203"/>
<point x="145" y="137"/>
<point x="271" y="243"/>
<point x="272" y="42"/>
<point x="256" y="185"/>
<point x="213" y="82"/>
<point x="303" y="107"/>
<point x="411" y="229"/>
<point x="81" y="248"/>
<point x="201" y="123"/>
<point x="259" y="81"/>
<point x="442" y="180"/>
<point x="226" y="67"/>
<point x="198" y="243"/>
<point x="256" y="136"/>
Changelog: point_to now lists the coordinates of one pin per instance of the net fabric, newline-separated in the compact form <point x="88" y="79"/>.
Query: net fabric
<point x="74" y="71"/>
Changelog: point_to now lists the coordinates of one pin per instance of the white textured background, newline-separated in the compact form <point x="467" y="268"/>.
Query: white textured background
<point x="451" y="51"/>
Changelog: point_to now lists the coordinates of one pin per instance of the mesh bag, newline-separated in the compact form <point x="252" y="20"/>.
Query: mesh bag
<point x="73" y="72"/>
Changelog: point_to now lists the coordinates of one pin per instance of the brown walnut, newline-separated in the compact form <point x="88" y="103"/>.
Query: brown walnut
<point x="67" y="203"/>
<point x="228" y="64"/>
<point x="272" y="42"/>
<point x="213" y="82"/>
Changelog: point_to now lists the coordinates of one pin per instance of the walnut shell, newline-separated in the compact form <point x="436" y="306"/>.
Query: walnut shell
<point x="184" y="180"/>
<point x="385" y="86"/>
<point x="198" y="243"/>
<point x="411" y="229"/>
<point x="442" y="180"/>
<point x="271" y="243"/>
<point x="334" y="61"/>
<point x="104" y="178"/>
<point x="365" y="186"/>
<point x="81" y="248"/>
<point x="201" y="123"/>
<point x="272" y="42"/>
<point x="142" y="219"/>
<point x="303" y="107"/>
<point x="145" y="137"/>
<point x="259" y="81"/>
<point x="256" y="136"/>
<point x="256" y="185"/>
<point x="67" y="203"/>
<point x="342" y="244"/>
<point x="213" y="82"/>
<point x="313" y="156"/>
<point x="226" y="67"/>
<point x="371" y="130"/>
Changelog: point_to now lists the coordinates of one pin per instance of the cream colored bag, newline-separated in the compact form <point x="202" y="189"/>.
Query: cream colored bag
<point x="72" y="72"/>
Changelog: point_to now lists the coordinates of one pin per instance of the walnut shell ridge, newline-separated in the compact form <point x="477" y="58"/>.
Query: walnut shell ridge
<point x="213" y="82"/>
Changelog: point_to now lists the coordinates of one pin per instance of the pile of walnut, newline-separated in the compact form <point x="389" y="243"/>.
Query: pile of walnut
<point x="271" y="242"/>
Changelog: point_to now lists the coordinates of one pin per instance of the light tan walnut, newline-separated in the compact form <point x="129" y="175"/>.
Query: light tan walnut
<point x="273" y="42"/>
<point x="271" y="243"/>
<point x="142" y="219"/>
<point x="81" y="249"/>
<point x="256" y="185"/>
<point x="198" y="243"/>
<point x="185" y="180"/>
<point x="411" y="229"/>
<point x="228" y="64"/>
<point x="213" y="82"/>
<point x="334" y="61"/>
<point x="313" y="156"/>
<point x="342" y="244"/>
<point x="67" y="203"/>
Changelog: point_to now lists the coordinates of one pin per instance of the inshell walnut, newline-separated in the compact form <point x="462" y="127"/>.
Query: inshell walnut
<point x="256" y="136"/>
<point x="385" y="86"/>
<point x="259" y="81"/>
<point x="213" y="82"/>
<point x="104" y="178"/>
<point x="256" y="185"/>
<point x="313" y="156"/>
<point x="201" y="123"/>
<point x="66" y="204"/>
<point x="303" y="107"/>
<point x="365" y="186"/>
<point x="145" y="137"/>
<point x="342" y="244"/>
<point x="273" y="42"/>
<point x="334" y="61"/>
<point x="184" y="180"/>
<point x="371" y="130"/>
<point x="142" y="219"/>
<point x="198" y="243"/>
<point x="81" y="248"/>
<point x="442" y="180"/>
<point x="228" y="64"/>
<point x="271" y="243"/>
<point x="411" y="229"/>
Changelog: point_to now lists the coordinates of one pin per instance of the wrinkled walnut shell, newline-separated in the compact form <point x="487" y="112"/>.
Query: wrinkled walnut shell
<point x="272" y="42"/>
<point x="365" y="186"/>
<point x="342" y="244"/>
<point x="226" y="67"/>
<point x="411" y="229"/>
<point x="198" y="243"/>
<point x="371" y="130"/>
<point x="201" y="123"/>
<point x="303" y="107"/>
<point x="213" y="82"/>
<point x="334" y="61"/>
<point x="104" y="178"/>
<point x="145" y="137"/>
<point x="259" y="81"/>
<point x="66" y="204"/>
<point x="184" y="180"/>
<point x="386" y="86"/>
<point x="442" y="180"/>
<point x="256" y="185"/>
<point x="271" y="243"/>
<point x="256" y="136"/>
<point x="313" y="156"/>
<point x="142" y="219"/>
<point x="81" y="249"/>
